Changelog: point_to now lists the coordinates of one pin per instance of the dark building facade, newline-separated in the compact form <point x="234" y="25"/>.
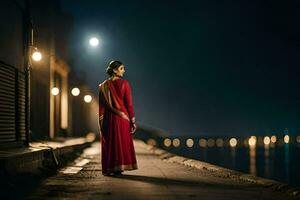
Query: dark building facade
<point x="38" y="105"/>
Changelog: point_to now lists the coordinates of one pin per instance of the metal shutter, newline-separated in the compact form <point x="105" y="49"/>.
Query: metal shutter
<point x="12" y="104"/>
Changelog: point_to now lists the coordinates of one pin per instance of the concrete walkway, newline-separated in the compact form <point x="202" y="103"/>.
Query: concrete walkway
<point x="155" y="179"/>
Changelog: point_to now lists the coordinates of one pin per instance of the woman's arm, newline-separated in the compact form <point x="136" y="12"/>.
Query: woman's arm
<point x="129" y="106"/>
<point x="101" y="110"/>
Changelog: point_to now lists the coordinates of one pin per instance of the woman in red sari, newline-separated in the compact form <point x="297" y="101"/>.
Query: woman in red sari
<point x="116" y="122"/>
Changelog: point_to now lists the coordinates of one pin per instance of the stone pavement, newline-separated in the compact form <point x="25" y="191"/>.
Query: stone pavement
<point x="155" y="179"/>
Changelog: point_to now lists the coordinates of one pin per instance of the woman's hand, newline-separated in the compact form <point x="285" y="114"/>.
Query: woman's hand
<point x="132" y="128"/>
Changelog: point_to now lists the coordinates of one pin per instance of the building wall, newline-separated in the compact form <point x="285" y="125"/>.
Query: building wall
<point x="13" y="42"/>
<point x="12" y="33"/>
<point x="43" y="17"/>
<point x="50" y="116"/>
<point x="46" y="74"/>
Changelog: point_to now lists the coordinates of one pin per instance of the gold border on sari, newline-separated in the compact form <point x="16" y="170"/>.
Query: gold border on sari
<point x="111" y="100"/>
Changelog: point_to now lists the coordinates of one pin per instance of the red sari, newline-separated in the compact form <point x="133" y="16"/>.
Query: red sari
<point x="115" y="114"/>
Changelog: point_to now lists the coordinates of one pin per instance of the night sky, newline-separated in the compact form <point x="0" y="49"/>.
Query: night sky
<point x="196" y="66"/>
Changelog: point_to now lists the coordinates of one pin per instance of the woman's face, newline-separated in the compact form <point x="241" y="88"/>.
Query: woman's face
<point x="120" y="71"/>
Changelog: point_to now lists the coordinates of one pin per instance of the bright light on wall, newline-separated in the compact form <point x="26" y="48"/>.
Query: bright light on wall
<point x="55" y="91"/>
<point x="36" y="56"/>
<point x="87" y="98"/>
<point x="94" y="42"/>
<point x="75" y="92"/>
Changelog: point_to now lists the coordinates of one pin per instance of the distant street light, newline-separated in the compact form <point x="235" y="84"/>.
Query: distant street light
<point x="252" y="141"/>
<point x="233" y="142"/>
<point x="55" y="91"/>
<point x="94" y="42"/>
<point x="219" y="142"/>
<point x="176" y="142"/>
<point x="87" y="98"/>
<point x="190" y="142"/>
<point x="273" y="139"/>
<point x="286" y="139"/>
<point x="37" y="56"/>
<point x="75" y="92"/>
<point x="267" y="140"/>
<point x="202" y="142"/>
<point x="167" y="142"/>
<point x="298" y="139"/>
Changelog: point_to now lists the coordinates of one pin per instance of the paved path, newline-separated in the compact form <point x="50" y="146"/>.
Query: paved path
<point x="155" y="179"/>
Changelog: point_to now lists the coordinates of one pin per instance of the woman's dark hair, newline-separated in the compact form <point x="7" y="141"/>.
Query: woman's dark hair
<point x="113" y="65"/>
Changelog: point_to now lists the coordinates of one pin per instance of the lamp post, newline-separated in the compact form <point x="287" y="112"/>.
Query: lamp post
<point x="28" y="42"/>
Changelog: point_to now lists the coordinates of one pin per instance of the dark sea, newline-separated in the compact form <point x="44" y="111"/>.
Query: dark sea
<point x="279" y="161"/>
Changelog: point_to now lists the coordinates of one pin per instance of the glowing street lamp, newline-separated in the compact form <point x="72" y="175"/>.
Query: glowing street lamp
<point x="55" y="91"/>
<point x="75" y="92"/>
<point x="87" y="98"/>
<point x="36" y="56"/>
<point x="94" y="42"/>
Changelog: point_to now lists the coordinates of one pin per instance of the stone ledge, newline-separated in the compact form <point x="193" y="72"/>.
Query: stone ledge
<point x="40" y="156"/>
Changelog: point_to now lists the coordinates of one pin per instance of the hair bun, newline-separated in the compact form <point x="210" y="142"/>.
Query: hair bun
<point x="109" y="71"/>
<point x="113" y="65"/>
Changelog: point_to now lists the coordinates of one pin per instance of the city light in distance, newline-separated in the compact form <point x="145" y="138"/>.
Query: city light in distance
<point x="273" y="139"/>
<point x="286" y="139"/>
<point x="219" y="142"/>
<point x="267" y="140"/>
<point x="202" y="142"/>
<point x="176" y="142"/>
<point x="252" y="141"/>
<point x="167" y="142"/>
<point x="189" y="142"/>
<point x="151" y="142"/>
<point x="233" y="142"/>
